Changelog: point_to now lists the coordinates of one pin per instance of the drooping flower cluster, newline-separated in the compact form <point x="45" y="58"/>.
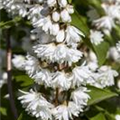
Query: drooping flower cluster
<point x="53" y="64"/>
<point x="55" y="53"/>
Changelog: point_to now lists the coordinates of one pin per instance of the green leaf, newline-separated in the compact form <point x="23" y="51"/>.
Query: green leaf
<point x="80" y="22"/>
<point x="108" y="114"/>
<point x="24" y="80"/>
<point x="3" y="111"/>
<point x="101" y="52"/>
<point x="97" y="95"/>
<point x="9" y="23"/>
<point x="99" y="116"/>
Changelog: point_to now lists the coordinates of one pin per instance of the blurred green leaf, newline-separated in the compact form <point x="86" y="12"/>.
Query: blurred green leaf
<point x="97" y="95"/>
<point x="10" y="23"/>
<point x="24" y="80"/>
<point x="101" y="52"/>
<point x="3" y="111"/>
<point x="99" y="116"/>
<point x="80" y="22"/>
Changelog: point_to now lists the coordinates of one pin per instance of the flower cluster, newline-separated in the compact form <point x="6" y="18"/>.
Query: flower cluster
<point x="53" y="62"/>
<point x="104" y="24"/>
<point x="55" y="54"/>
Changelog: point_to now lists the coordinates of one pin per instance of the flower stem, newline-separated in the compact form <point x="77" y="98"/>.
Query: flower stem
<point x="9" y="73"/>
<point x="56" y="97"/>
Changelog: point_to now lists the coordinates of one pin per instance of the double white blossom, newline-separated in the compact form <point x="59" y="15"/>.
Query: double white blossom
<point x="36" y="105"/>
<point x="115" y="56"/>
<point x="80" y="75"/>
<point x="43" y="77"/>
<point x="31" y="65"/>
<point x="96" y="37"/>
<point x="18" y="61"/>
<point x="80" y="97"/>
<point x="104" y="77"/>
<point x="65" y="112"/>
<point x="61" y="80"/>
<point x="60" y="53"/>
<point x="15" y="7"/>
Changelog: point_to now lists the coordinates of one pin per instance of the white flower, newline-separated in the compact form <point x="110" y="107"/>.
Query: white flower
<point x="23" y="12"/>
<point x="44" y="51"/>
<point x="43" y="77"/>
<point x="80" y="75"/>
<point x="96" y="37"/>
<point x="51" y="2"/>
<point x="36" y="105"/>
<point x="65" y="16"/>
<point x="64" y="112"/>
<point x="35" y="13"/>
<point x="68" y="55"/>
<point x="60" y="36"/>
<point x="62" y="3"/>
<point x="74" y="109"/>
<point x="56" y="16"/>
<point x="114" y="54"/>
<point x="45" y="23"/>
<point x="18" y="61"/>
<point x="73" y="35"/>
<point x="31" y="65"/>
<point x="117" y="117"/>
<point x="60" y="53"/>
<point x="104" y="77"/>
<point x="112" y="10"/>
<point x="60" y="80"/>
<point x="106" y="23"/>
<point x="80" y="96"/>
<point x="107" y="74"/>
<point x="16" y="7"/>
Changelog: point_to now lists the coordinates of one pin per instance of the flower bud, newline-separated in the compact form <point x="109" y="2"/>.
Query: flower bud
<point x="65" y="16"/>
<point x="56" y="16"/>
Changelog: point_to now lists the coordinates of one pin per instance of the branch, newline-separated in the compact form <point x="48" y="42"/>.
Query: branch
<point x="56" y="96"/>
<point x="9" y="73"/>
